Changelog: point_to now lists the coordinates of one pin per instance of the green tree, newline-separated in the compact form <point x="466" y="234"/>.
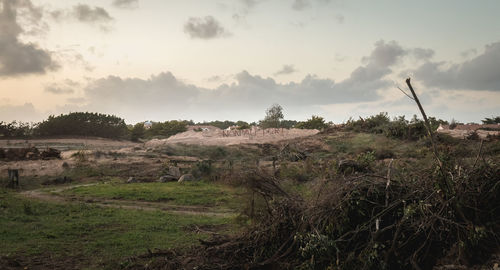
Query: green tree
<point x="274" y="115"/>
<point x="84" y="124"/>
<point x="137" y="132"/>
<point x="492" y="120"/>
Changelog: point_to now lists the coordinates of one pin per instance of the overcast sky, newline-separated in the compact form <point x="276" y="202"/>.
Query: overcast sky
<point x="231" y="59"/>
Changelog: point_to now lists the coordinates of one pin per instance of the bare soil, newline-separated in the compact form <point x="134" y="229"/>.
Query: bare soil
<point x="215" y="136"/>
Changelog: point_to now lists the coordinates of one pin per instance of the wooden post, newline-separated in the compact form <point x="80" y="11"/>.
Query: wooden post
<point x="13" y="177"/>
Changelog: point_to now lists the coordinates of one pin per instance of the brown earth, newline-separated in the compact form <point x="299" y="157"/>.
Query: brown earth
<point x="215" y="136"/>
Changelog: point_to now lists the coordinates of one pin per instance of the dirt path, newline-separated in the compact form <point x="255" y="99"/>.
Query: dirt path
<point x="54" y="196"/>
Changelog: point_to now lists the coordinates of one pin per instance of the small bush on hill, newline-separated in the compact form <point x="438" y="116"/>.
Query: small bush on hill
<point x="316" y="122"/>
<point x="398" y="128"/>
<point x="166" y="129"/>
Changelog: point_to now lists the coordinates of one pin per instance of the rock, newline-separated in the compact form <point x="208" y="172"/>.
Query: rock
<point x="132" y="180"/>
<point x="186" y="178"/>
<point x="167" y="178"/>
<point x="174" y="171"/>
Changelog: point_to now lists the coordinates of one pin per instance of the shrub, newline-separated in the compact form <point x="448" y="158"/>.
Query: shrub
<point x="137" y="132"/>
<point x="316" y="122"/>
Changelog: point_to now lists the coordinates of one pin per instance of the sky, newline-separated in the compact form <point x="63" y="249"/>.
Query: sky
<point x="208" y="60"/>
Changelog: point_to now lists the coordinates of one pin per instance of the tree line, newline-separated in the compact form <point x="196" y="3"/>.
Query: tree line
<point x="113" y="127"/>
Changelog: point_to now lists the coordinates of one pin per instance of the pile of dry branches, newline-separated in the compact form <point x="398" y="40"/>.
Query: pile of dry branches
<point x="396" y="221"/>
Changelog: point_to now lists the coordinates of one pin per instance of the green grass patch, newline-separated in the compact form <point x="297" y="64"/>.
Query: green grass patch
<point x="99" y="237"/>
<point x="189" y="193"/>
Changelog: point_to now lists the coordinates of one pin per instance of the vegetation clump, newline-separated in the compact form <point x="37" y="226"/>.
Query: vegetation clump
<point x="383" y="218"/>
<point x="398" y="128"/>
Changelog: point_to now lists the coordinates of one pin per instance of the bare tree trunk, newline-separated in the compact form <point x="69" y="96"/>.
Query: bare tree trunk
<point x="427" y="124"/>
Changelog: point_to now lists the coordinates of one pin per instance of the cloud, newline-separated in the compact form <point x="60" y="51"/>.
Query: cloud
<point x="16" y="57"/>
<point x="479" y="73"/>
<point x="126" y="3"/>
<point x="249" y="3"/>
<point x="24" y="113"/>
<point x="301" y="4"/>
<point x="65" y="87"/>
<point x="87" y="14"/>
<point x="164" y="96"/>
<point x="204" y="28"/>
<point x="385" y="54"/>
<point x="423" y="54"/>
<point x="467" y="53"/>
<point x="339" y="18"/>
<point x="286" y="69"/>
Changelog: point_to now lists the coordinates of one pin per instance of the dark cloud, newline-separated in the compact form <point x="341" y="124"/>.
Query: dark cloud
<point x="479" y="73"/>
<point x="57" y="14"/>
<point x="87" y="14"/>
<point x="126" y="3"/>
<point x="286" y="69"/>
<point x="204" y="28"/>
<point x="16" y="57"/>
<point x="301" y="4"/>
<point x="385" y="54"/>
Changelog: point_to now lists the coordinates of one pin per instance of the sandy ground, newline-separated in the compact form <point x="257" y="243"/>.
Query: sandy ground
<point x="135" y="152"/>
<point x="462" y="134"/>
<point x="215" y="136"/>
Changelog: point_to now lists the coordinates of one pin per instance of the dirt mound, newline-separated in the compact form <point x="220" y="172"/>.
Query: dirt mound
<point x="215" y="136"/>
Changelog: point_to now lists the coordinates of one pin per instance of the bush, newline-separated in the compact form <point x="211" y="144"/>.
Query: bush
<point x="166" y="129"/>
<point x="398" y="128"/>
<point x="316" y="122"/>
<point x="137" y="132"/>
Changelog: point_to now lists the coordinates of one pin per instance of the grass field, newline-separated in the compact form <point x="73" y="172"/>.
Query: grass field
<point x="190" y="193"/>
<point x="88" y="236"/>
